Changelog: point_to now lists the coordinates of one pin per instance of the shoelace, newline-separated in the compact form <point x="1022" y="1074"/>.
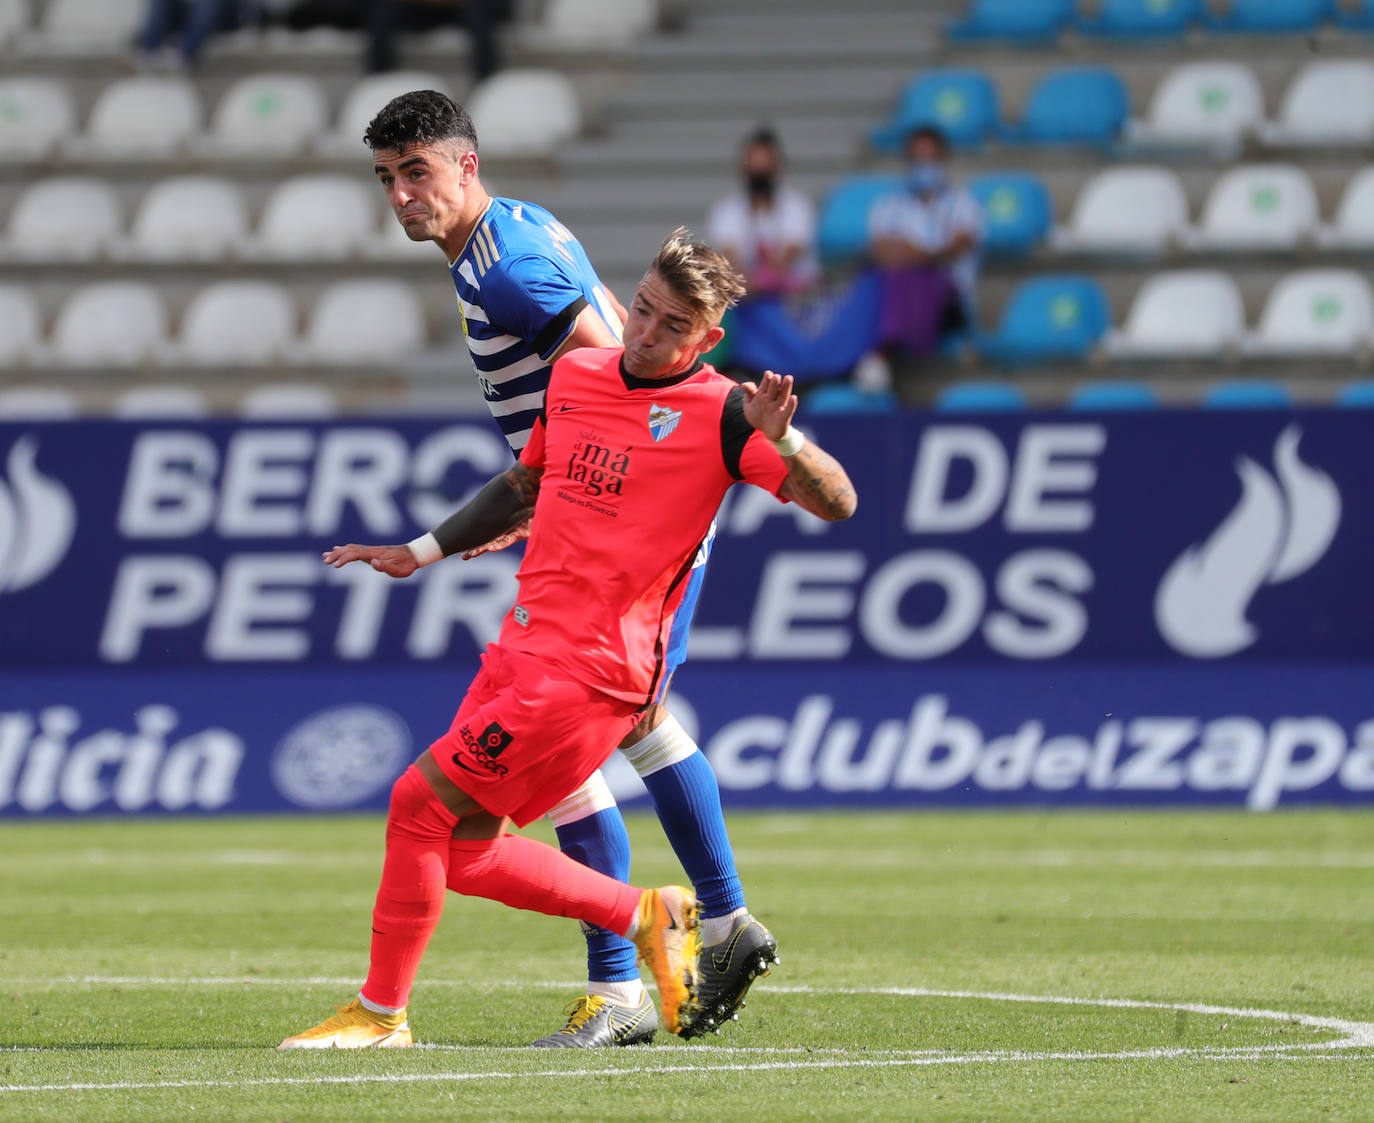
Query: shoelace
<point x="581" y="1011"/>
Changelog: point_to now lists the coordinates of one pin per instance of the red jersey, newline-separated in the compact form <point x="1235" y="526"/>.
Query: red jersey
<point x="633" y="473"/>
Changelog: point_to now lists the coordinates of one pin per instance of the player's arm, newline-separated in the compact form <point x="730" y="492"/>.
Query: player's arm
<point x="815" y="480"/>
<point x="503" y="504"/>
<point x="588" y="330"/>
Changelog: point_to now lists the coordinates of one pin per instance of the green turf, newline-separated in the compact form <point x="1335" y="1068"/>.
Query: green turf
<point x="147" y="969"/>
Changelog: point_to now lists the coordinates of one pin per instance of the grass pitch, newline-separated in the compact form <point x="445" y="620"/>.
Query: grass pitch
<point x="1017" y="965"/>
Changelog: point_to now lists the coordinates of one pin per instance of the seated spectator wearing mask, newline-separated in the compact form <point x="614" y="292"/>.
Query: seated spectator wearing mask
<point x="924" y="241"/>
<point x="766" y="229"/>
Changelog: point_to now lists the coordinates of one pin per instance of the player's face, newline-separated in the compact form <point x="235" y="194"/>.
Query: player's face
<point x="663" y="334"/>
<point x="427" y="186"/>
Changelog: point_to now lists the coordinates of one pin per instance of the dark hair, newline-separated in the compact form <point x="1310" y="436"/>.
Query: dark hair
<point x="932" y="133"/>
<point x="420" y="117"/>
<point x="763" y="135"/>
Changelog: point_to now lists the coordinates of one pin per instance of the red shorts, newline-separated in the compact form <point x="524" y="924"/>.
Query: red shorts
<point x="527" y="736"/>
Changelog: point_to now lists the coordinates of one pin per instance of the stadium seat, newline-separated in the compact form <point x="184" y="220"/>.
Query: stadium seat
<point x="109" y="324"/>
<point x="1017" y="212"/>
<point x="1272" y="15"/>
<point x="842" y="232"/>
<point x="85" y="27"/>
<point x="1139" y="210"/>
<point x="524" y="113"/>
<point x="1315" y="311"/>
<point x="1213" y="103"/>
<point x="363" y="102"/>
<point x="1194" y="312"/>
<point x="1074" y="105"/>
<point x="1257" y="207"/>
<point x="270" y="114"/>
<point x="1050" y="317"/>
<point x="1020" y="20"/>
<point x="33" y="235"/>
<point x="1358" y="17"/>
<point x="36" y="403"/>
<point x="139" y="118"/>
<point x="1143" y="19"/>
<point x="1327" y="102"/>
<point x="288" y="400"/>
<point x="235" y="323"/>
<point x="981" y="397"/>
<point x="20" y="325"/>
<point x="845" y="397"/>
<point x="14" y="18"/>
<point x="961" y="103"/>
<point x="1353" y="224"/>
<point x="186" y="218"/>
<point x="35" y="113"/>
<point x="315" y="218"/>
<point x="362" y="321"/>
<point x="1248" y="393"/>
<point x="1358" y="394"/>
<point x="391" y="243"/>
<point x="157" y="403"/>
<point x="1113" y="395"/>
<point x="590" y="24"/>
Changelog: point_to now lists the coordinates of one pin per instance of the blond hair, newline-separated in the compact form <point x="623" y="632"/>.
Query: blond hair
<point x="702" y="278"/>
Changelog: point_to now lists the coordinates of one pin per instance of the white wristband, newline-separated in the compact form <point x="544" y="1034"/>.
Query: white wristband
<point x="790" y="443"/>
<point x="426" y="549"/>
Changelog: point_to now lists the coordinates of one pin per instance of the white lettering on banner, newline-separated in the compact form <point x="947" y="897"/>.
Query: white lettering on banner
<point x="132" y="771"/>
<point x="168" y="492"/>
<point x="263" y="472"/>
<point x="934" y="750"/>
<point x="154" y="593"/>
<point x="800" y="587"/>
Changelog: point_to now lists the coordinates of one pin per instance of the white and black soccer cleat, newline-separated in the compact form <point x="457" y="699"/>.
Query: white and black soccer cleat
<point x="597" y="1023"/>
<point x="726" y="972"/>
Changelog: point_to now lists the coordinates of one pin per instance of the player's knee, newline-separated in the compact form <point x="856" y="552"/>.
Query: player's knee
<point x="415" y="808"/>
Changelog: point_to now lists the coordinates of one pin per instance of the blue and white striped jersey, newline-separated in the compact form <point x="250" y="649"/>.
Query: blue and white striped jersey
<point x="522" y="280"/>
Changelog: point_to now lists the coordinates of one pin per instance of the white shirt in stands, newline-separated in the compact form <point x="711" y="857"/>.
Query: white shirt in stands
<point x="931" y="222"/>
<point x="733" y="224"/>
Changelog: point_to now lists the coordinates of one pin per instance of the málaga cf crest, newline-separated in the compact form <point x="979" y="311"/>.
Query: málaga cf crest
<point x="662" y="421"/>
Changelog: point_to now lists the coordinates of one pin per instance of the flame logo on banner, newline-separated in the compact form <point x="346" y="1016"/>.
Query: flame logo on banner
<point x="1280" y="529"/>
<point x="37" y="520"/>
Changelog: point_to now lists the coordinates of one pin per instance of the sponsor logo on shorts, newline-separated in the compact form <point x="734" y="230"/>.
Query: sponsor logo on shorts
<point x="484" y="747"/>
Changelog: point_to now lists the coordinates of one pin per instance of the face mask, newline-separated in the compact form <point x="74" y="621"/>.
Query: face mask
<point x="760" y="184"/>
<point x="925" y="176"/>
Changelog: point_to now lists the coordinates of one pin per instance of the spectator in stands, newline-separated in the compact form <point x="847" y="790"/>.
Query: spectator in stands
<point x="190" y="23"/>
<point x="924" y="241"/>
<point x="767" y="229"/>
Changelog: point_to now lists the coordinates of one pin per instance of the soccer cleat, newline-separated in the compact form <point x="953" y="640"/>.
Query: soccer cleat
<point x="669" y="941"/>
<point x="597" y="1023"/>
<point x="354" y="1027"/>
<point x="727" y="971"/>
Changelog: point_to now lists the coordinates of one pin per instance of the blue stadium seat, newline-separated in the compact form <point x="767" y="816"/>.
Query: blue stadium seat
<point x="1361" y="18"/>
<point x="1034" y="20"/>
<point x="1017" y="213"/>
<point x="1357" y="395"/>
<point x="1052" y="317"/>
<point x="1114" y="395"/>
<point x="1274" y="15"/>
<point x="961" y="102"/>
<point x="1074" y="105"/>
<point x="842" y="232"/>
<point x="844" y="397"/>
<point x="1248" y="393"/>
<point x="981" y="397"/>
<point x="1144" y="19"/>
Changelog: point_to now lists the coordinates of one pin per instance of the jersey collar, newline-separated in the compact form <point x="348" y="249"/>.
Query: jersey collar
<point x="633" y="383"/>
<point x="481" y="218"/>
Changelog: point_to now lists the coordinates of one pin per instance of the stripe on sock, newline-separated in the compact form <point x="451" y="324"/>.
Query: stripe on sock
<point x="662" y="748"/>
<point x="593" y="796"/>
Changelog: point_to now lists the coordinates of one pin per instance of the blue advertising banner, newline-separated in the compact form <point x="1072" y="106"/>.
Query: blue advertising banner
<point x="1048" y="608"/>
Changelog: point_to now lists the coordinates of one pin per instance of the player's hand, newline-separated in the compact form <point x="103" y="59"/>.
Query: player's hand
<point x="395" y="561"/>
<point x="501" y="541"/>
<point x="769" y="406"/>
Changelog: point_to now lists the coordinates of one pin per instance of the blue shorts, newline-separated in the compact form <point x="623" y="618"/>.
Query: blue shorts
<point x="676" y="654"/>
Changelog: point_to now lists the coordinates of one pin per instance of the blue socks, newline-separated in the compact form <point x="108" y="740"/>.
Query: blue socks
<point x="601" y="842"/>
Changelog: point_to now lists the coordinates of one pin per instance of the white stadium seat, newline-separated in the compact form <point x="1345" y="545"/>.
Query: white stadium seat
<point x="109" y="324"/>
<point x="156" y="403"/>
<point x="42" y="225"/>
<point x="186" y="218"/>
<point x="85" y="27"/>
<point x="363" y="102"/>
<point x="363" y="321"/>
<point x="316" y="218"/>
<point x="1353" y="225"/>
<point x="289" y="400"/>
<point x="266" y="114"/>
<point x="392" y="243"/>
<point x="139" y="118"/>
<point x="36" y="403"/>
<point x="1258" y="207"/>
<point x="590" y="24"/>
<point x="35" y="114"/>
<point x="1187" y="313"/>
<point x="1327" y="102"/>
<point x="1126" y="209"/>
<point x="524" y="112"/>
<point x="235" y="323"/>
<point x="1313" y="312"/>
<point x="1209" y="103"/>
<point x="20" y="324"/>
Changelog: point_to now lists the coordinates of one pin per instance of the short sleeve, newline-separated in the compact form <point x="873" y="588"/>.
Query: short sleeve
<point x="968" y="215"/>
<point x="725" y="226"/>
<point x="885" y="217"/>
<point x="798" y="219"/>
<point x="747" y="453"/>
<point x="532" y="455"/>
<point x="533" y="299"/>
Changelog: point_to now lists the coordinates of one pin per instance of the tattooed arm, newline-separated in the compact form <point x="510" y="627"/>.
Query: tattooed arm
<point x="815" y="480"/>
<point x="502" y="505"/>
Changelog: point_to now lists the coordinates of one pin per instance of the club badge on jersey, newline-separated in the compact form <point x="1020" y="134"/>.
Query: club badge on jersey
<point x="662" y="421"/>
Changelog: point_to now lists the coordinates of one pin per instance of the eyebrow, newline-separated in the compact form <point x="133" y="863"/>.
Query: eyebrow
<point x="687" y="320"/>
<point x="409" y="161"/>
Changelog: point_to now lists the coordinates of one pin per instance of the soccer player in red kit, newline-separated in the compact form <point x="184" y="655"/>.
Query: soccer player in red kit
<point x="623" y="472"/>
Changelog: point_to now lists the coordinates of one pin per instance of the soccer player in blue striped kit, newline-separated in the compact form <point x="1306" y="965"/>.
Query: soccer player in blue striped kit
<point x="528" y="294"/>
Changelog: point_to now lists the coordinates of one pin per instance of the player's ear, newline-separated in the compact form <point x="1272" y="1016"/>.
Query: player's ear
<point x="710" y="339"/>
